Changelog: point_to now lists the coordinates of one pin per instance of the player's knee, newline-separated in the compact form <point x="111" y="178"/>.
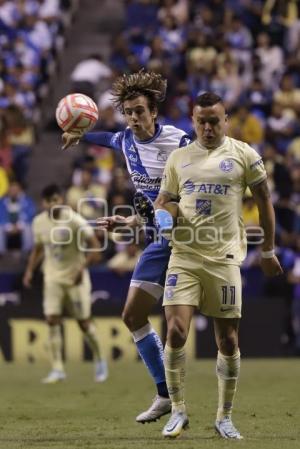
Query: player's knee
<point x="177" y="333"/>
<point x="84" y="325"/>
<point x="228" y="344"/>
<point x="129" y="319"/>
<point x="53" y="320"/>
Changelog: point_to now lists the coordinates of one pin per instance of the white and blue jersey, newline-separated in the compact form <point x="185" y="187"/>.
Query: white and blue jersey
<point x="145" y="159"/>
<point x="145" y="163"/>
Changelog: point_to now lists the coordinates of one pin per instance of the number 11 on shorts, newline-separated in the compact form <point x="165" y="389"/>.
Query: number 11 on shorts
<point x="228" y="292"/>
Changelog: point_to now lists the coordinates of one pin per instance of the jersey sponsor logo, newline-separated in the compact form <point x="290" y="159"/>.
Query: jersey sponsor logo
<point x="162" y="156"/>
<point x="203" y="207"/>
<point x="226" y="165"/>
<point x="171" y="280"/>
<point x="206" y="187"/>
<point x="145" y="182"/>
<point x="256" y="163"/>
<point x="186" y="165"/>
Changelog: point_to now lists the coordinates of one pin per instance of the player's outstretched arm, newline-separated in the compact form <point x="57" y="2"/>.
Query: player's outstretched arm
<point x="116" y="223"/>
<point x="269" y="262"/>
<point x="101" y="138"/>
<point x="35" y="258"/>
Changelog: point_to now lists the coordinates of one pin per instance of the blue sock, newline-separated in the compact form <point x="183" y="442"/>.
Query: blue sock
<point x="151" y="351"/>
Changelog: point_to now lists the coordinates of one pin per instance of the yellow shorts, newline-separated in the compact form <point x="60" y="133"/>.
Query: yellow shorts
<point x="216" y="289"/>
<point x="76" y="299"/>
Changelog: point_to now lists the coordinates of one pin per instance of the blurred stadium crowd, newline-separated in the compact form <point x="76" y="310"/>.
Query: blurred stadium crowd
<point x="247" y="51"/>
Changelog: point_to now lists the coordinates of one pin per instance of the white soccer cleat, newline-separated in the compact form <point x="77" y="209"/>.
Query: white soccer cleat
<point x="176" y="424"/>
<point x="227" y="430"/>
<point x="159" y="407"/>
<point x="101" y="371"/>
<point x="54" y="377"/>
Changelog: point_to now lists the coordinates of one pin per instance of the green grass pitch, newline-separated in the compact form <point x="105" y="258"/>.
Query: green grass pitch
<point x="81" y="414"/>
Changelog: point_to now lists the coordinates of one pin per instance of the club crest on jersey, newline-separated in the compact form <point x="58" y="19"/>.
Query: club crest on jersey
<point x="226" y="165"/>
<point x="133" y="157"/>
<point x="162" y="156"/>
<point x="203" y="207"/>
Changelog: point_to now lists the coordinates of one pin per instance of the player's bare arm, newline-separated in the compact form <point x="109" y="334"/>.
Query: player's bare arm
<point x="269" y="262"/>
<point x="35" y="258"/>
<point x="117" y="222"/>
<point x="166" y="201"/>
<point x="93" y="256"/>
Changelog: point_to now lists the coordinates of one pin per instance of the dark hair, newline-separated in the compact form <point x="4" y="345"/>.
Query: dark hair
<point x="149" y="84"/>
<point x="208" y="99"/>
<point x="50" y="190"/>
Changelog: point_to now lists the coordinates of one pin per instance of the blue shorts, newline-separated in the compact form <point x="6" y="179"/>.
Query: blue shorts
<point x="153" y="263"/>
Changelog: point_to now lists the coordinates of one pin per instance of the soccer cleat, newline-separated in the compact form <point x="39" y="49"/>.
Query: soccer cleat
<point x="101" y="371"/>
<point x="144" y="207"/>
<point x="227" y="430"/>
<point x="176" y="424"/>
<point x="54" y="377"/>
<point x="159" y="407"/>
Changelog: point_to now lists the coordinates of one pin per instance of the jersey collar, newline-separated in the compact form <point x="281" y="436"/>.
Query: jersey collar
<point x="211" y="149"/>
<point x="158" y="130"/>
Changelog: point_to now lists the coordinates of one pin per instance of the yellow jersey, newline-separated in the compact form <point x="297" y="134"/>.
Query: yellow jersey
<point x="210" y="184"/>
<point x="64" y="244"/>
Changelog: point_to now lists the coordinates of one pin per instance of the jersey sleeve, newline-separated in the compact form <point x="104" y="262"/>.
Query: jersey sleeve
<point x="81" y="225"/>
<point x="169" y="182"/>
<point x="255" y="169"/>
<point x="37" y="236"/>
<point x="105" y="139"/>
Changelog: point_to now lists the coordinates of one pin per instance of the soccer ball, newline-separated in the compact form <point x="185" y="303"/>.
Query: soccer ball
<point x="76" y="113"/>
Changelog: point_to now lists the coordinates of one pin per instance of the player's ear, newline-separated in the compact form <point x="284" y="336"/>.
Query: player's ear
<point x="154" y="113"/>
<point x="226" y="118"/>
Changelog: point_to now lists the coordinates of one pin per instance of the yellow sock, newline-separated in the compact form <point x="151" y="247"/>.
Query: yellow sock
<point x="55" y="346"/>
<point x="93" y="342"/>
<point x="228" y="368"/>
<point x="175" y="375"/>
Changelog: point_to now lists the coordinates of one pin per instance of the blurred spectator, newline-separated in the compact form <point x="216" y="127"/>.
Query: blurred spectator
<point x="288" y="96"/>
<point x="17" y="211"/>
<point x="178" y="9"/>
<point x="258" y="98"/>
<point x="87" y="198"/>
<point x="121" y="185"/>
<point x="88" y="74"/>
<point x="271" y="61"/>
<point x="109" y="119"/>
<point x="125" y="261"/>
<point x="243" y="125"/>
<point x="280" y="128"/>
<point x="21" y="139"/>
<point x="3" y="182"/>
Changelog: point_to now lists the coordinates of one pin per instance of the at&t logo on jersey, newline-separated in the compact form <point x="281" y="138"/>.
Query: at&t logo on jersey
<point x="206" y="187"/>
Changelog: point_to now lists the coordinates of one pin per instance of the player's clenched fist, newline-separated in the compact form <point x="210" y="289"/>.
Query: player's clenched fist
<point x="70" y="140"/>
<point x="271" y="267"/>
<point x="110" y="223"/>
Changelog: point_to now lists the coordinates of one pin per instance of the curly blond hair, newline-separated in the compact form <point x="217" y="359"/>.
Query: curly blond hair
<point x="129" y="86"/>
